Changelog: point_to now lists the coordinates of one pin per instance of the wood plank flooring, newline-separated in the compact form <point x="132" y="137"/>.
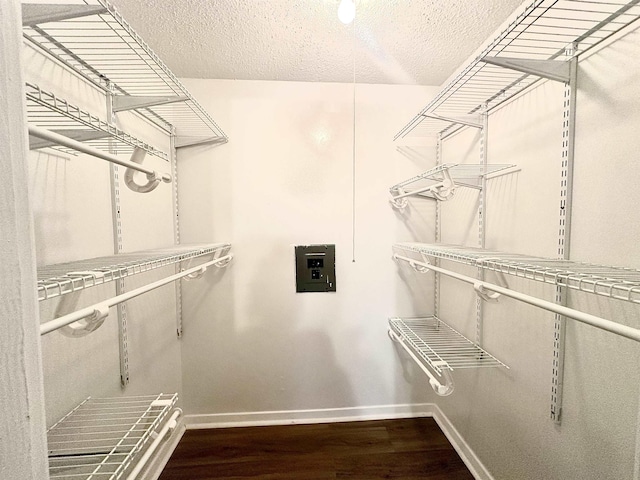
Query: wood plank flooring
<point x="403" y="449"/>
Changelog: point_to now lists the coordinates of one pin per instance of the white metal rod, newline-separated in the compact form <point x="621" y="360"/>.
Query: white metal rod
<point x="593" y="320"/>
<point x="60" y="322"/>
<point x="169" y="425"/>
<point x="83" y="148"/>
<point x="438" y="387"/>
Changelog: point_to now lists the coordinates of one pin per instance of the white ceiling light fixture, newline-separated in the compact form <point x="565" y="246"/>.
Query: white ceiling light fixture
<point x="347" y="11"/>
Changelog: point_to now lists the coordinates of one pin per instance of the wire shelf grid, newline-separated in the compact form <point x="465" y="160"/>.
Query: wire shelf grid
<point x="64" y="278"/>
<point x="609" y="281"/>
<point x="101" y="437"/>
<point x="463" y="174"/>
<point x="104" y="48"/>
<point x="46" y="110"/>
<point x="435" y="342"/>
<point x="544" y="30"/>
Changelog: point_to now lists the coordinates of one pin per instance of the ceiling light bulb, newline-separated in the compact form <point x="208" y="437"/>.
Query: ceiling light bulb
<point x="347" y="11"/>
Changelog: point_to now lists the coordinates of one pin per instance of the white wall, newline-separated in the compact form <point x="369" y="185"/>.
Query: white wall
<point x="504" y="414"/>
<point x="251" y="344"/>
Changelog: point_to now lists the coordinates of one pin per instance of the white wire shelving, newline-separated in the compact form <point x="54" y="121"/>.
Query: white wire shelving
<point x="93" y="39"/>
<point x="433" y="343"/>
<point x="46" y="110"/>
<point x="538" y="43"/>
<point x="106" y="438"/>
<point x="440" y="182"/>
<point x="620" y="283"/>
<point x="85" y="320"/>
<point x="64" y="278"/>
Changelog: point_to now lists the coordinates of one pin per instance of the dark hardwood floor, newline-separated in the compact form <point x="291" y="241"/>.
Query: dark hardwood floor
<point x="404" y="449"/>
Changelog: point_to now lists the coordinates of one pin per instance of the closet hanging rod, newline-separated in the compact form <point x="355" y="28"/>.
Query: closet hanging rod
<point x="59" y="139"/>
<point x="480" y="285"/>
<point x="102" y="307"/>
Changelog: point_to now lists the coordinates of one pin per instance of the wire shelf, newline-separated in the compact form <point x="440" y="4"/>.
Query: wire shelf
<point x="101" y="438"/>
<point x="104" y="48"/>
<point x="63" y="278"/>
<point x="46" y="110"/>
<point x="435" y="342"/>
<point x="613" y="282"/>
<point x="462" y="174"/>
<point x="543" y="30"/>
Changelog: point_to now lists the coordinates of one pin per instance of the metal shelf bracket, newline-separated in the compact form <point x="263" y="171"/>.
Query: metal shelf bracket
<point x="123" y="103"/>
<point x="185" y="141"/>
<point x="468" y="120"/>
<point x="36" y="13"/>
<point x="79" y="135"/>
<point x="550" y="69"/>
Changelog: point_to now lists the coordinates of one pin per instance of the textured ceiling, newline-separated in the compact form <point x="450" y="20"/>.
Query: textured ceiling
<point x="396" y="41"/>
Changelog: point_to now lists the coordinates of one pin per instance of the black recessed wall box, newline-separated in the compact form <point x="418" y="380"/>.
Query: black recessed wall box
<point x="315" y="268"/>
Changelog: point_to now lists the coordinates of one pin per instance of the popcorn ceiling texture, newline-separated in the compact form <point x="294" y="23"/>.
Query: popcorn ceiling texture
<point x="397" y="41"/>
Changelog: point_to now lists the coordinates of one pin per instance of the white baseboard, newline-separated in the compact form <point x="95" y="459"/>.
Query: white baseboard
<point x="292" y="417"/>
<point x="351" y="414"/>
<point x="468" y="456"/>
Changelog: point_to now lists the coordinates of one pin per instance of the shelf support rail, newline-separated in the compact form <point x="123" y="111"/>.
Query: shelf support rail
<point x="441" y="387"/>
<point x="103" y="307"/>
<point x="593" y="320"/>
<point x="153" y="177"/>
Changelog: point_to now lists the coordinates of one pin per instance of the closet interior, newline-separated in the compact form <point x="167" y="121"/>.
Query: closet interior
<point x="510" y="292"/>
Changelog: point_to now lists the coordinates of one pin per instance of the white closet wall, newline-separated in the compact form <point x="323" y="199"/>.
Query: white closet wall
<point x="254" y="345"/>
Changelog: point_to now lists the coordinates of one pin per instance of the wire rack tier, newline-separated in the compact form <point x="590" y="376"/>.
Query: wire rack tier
<point x="46" y="110"/>
<point x="94" y="40"/>
<point x="554" y="30"/>
<point x="435" y="342"/>
<point x="462" y="174"/>
<point x="609" y="281"/>
<point x="101" y="437"/>
<point x="63" y="278"/>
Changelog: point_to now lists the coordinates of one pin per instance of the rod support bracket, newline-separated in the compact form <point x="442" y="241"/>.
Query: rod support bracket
<point x="153" y="179"/>
<point x="224" y="261"/>
<point x="88" y="324"/>
<point x="485" y="294"/>
<point x="443" y="389"/>
<point x="417" y="265"/>
<point x="196" y="275"/>
<point x="398" y="203"/>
